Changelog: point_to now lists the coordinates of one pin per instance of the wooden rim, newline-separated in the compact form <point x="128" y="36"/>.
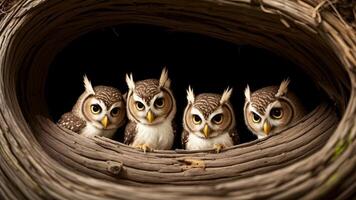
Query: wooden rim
<point x="313" y="159"/>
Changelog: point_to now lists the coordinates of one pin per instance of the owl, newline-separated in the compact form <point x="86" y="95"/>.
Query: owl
<point x="151" y="108"/>
<point x="98" y="111"/>
<point x="209" y="122"/>
<point x="271" y="109"/>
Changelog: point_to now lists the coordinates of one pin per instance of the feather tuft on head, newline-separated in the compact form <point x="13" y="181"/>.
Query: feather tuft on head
<point x="164" y="81"/>
<point x="248" y="93"/>
<point x="87" y="85"/>
<point x="130" y="82"/>
<point x="190" y="95"/>
<point x="283" y="88"/>
<point x="226" y="95"/>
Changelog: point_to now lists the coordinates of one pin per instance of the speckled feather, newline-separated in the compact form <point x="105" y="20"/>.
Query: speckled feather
<point x="207" y="103"/>
<point x="108" y="95"/>
<point x="263" y="97"/>
<point x="130" y="132"/>
<point x="147" y="89"/>
<point x="71" y="122"/>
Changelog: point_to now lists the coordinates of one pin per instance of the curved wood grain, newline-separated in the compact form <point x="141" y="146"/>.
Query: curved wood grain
<point x="313" y="159"/>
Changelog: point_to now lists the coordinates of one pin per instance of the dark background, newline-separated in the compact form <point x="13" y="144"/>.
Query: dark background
<point x="207" y="64"/>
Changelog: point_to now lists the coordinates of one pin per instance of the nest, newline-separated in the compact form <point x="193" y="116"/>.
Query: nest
<point x="314" y="158"/>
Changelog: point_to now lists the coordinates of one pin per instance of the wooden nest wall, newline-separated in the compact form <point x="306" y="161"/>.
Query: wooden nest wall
<point x="313" y="159"/>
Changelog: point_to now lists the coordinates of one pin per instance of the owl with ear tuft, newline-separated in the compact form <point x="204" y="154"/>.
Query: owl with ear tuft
<point x="209" y="122"/>
<point x="151" y="108"/>
<point x="99" y="111"/>
<point x="271" y="109"/>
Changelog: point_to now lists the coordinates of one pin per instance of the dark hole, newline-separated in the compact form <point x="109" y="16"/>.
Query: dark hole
<point x="205" y="63"/>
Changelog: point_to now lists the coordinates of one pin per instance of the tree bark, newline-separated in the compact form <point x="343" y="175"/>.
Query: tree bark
<point x="313" y="159"/>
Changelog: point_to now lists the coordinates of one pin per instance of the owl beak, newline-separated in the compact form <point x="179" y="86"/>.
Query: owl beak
<point x="150" y="117"/>
<point x="267" y="127"/>
<point x="105" y="121"/>
<point x="206" y="131"/>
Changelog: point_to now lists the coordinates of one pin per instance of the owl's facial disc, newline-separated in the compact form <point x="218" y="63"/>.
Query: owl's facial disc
<point x="115" y="115"/>
<point x="273" y="120"/>
<point x="94" y="111"/>
<point x="153" y="111"/>
<point x="211" y="126"/>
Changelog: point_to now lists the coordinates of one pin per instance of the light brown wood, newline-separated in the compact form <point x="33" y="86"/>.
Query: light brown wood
<point x="313" y="159"/>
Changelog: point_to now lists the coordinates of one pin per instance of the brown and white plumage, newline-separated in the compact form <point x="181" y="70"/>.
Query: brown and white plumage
<point x="98" y="111"/>
<point x="151" y="108"/>
<point x="209" y="121"/>
<point x="271" y="109"/>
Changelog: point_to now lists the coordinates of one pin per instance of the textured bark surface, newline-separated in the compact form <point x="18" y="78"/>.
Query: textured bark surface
<point x="314" y="158"/>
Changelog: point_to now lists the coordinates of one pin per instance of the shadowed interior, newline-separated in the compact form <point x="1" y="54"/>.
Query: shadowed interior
<point x="205" y="63"/>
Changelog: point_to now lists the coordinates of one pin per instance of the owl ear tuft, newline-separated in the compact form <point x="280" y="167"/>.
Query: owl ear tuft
<point x="226" y="95"/>
<point x="248" y="93"/>
<point x="130" y="82"/>
<point x="283" y="88"/>
<point x="164" y="81"/>
<point x="190" y="95"/>
<point x="87" y="85"/>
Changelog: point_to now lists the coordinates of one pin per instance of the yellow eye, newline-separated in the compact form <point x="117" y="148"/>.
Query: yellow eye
<point x="276" y="113"/>
<point x="159" y="103"/>
<point x="115" y="111"/>
<point x="139" y="106"/>
<point x="218" y="119"/>
<point x="196" y="119"/>
<point x="95" y="109"/>
<point x="256" y="118"/>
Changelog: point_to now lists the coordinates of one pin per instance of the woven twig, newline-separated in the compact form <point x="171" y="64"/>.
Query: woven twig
<point x="313" y="159"/>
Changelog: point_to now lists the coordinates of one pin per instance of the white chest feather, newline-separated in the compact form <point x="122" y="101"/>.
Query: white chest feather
<point x="91" y="131"/>
<point x="197" y="143"/>
<point x="156" y="137"/>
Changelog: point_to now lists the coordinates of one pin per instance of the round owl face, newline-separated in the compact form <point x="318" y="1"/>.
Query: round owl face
<point x="150" y="101"/>
<point x="153" y="110"/>
<point x="208" y="125"/>
<point x="271" y="109"/>
<point x="274" y="118"/>
<point x="102" y="116"/>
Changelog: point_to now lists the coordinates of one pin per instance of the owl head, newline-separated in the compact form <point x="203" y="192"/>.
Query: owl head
<point x="101" y="106"/>
<point x="208" y="115"/>
<point x="270" y="109"/>
<point x="150" y="101"/>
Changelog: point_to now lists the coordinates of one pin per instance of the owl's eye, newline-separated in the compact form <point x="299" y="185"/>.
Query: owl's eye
<point x="139" y="106"/>
<point x="159" y="103"/>
<point x="276" y="113"/>
<point x="218" y="119"/>
<point x="95" y="109"/>
<point x="196" y="119"/>
<point x="255" y="118"/>
<point x="115" y="111"/>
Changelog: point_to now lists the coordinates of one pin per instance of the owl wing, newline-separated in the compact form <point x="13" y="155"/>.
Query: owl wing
<point x="130" y="133"/>
<point x="234" y="136"/>
<point x="185" y="135"/>
<point x="71" y="122"/>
